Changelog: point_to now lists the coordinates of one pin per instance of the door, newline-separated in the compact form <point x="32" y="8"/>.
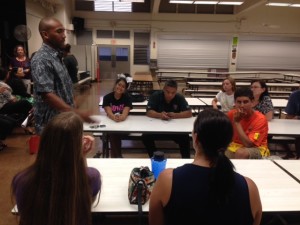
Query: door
<point x="113" y="60"/>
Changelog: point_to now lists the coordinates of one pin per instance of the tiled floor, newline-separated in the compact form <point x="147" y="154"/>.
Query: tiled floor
<point x="16" y="157"/>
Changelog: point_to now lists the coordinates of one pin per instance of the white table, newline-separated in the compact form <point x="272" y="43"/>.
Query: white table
<point x="144" y="103"/>
<point x="278" y="103"/>
<point x="195" y="84"/>
<point x="291" y="166"/>
<point x="141" y="124"/>
<point x="278" y="191"/>
<point x="194" y="103"/>
<point x="208" y="101"/>
<point x="144" y="124"/>
<point x="291" y="76"/>
<point x="284" y="127"/>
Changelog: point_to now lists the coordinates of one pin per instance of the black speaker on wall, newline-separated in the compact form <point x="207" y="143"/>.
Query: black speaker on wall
<point x="4" y="30"/>
<point x="78" y="23"/>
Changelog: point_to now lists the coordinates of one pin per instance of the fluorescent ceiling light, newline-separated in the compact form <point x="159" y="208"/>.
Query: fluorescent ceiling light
<point x="295" y="3"/>
<point x="230" y="2"/>
<point x="138" y="1"/>
<point x="112" y="6"/>
<point x="278" y="4"/>
<point x="206" y="2"/>
<point x="181" y="2"/>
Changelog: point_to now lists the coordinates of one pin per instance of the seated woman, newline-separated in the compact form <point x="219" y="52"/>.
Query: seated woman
<point x="117" y="105"/>
<point x="21" y="64"/>
<point x="262" y="101"/>
<point x="17" y="85"/>
<point x="208" y="189"/>
<point x="10" y="105"/>
<point x="225" y="96"/>
<point x="7" y="125"/>
<point x="58" y="187"/>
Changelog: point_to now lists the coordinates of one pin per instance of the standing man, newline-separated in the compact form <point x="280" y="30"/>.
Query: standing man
<point x="293" y="112"/>
<point x="250" y="128"/>
<point x="167" y="104"/>
<point x="52" y="83"/>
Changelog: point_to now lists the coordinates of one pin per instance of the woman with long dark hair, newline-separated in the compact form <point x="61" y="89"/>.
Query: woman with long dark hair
<point x="262" y="101"/>
<point x="208" y="190"/>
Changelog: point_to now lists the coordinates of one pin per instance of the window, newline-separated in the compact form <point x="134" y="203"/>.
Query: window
<point x="121" y="34"/>
<point x="105" y="54"/>
<point x="141" y="48"/>
<point x="112" y="6"/>
<point x="104" y="33"/>
<point x="122" y="54"/>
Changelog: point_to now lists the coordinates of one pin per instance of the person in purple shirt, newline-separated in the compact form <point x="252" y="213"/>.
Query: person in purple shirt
<point x="58" y="187"/>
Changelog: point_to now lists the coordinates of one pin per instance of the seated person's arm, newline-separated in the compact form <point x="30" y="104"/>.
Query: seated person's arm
<point x="183" y="114"/>
<point x="214" y="103"/>
<point x="124" y="114"/>
<point x="238" y="116"/>
<point x="243" y="136"/>
<point x="159" y="115"/>
<point x="269" y="115"/>
<point x="96" y="182"/>
<point x="109" y="112"/>
<point x="255" y="201"/>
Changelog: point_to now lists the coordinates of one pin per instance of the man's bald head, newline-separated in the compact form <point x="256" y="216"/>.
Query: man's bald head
<point x="47" y="23"/>
<point x="52" y="32"/>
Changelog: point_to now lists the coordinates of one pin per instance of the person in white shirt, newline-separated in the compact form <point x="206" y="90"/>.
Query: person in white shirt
<point x="225" y="96"/>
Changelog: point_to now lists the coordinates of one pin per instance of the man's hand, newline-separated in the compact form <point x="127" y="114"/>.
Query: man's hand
<point x="171" y="115"/>
<point x="239" y="115"/>
<point x="86" y="116"/>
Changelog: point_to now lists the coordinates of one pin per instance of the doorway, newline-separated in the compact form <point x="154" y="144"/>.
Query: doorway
<point x="113" y="60"/>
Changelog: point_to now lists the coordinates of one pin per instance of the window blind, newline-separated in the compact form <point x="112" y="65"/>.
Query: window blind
<point x="193" y="52"/>
<point x="283" y="54"/>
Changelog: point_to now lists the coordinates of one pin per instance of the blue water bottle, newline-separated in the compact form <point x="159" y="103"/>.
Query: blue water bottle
<point x="158" y="163"/>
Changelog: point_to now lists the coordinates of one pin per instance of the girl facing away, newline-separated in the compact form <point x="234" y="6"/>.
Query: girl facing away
<point x="208" y="190"/>
<point x="225" y="96"/>
<point x="58" y="188"/>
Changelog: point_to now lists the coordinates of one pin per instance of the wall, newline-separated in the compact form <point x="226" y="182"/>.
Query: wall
<point x="262" y="20"/>
<point x="10" y="17"/>
<point x="35" y="12"/>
